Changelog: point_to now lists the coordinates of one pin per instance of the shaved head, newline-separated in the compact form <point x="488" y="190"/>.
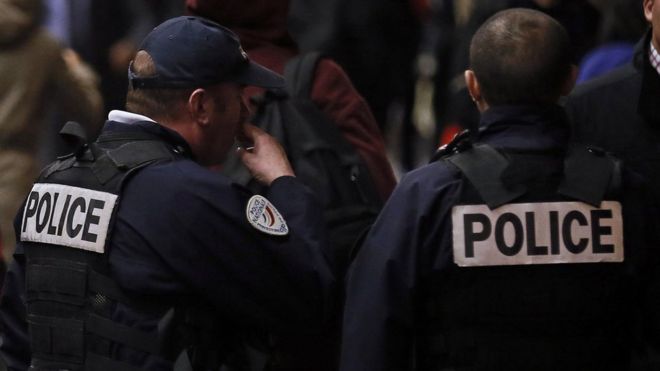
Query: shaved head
<point x="520" y="56"/>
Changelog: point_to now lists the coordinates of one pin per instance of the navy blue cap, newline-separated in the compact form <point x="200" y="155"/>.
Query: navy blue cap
<point x="191" y="52"/>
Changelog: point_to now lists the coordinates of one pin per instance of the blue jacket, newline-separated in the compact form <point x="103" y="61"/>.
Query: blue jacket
<point x="408" y="253"/>
<point x="182" y="236"/>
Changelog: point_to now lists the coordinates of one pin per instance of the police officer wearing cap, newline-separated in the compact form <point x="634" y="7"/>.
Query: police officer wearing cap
<point x="513" y="250"/>
<point x="134" y="256"/>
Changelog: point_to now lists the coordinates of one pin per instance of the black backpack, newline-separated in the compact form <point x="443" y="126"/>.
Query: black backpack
<point x="321" y="158"/>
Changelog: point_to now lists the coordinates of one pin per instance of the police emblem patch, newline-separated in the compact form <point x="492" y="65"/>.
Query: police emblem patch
<point x="264" y="217"/>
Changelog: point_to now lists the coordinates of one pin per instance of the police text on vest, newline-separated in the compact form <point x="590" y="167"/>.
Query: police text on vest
<point x="537" y="233"/>
<point x="68" y="216"/>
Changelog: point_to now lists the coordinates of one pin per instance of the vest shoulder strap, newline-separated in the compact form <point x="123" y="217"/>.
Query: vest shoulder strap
<point x="129" y="156"/>
<point x="590" y="174"/>
<point x="107" y="163"/>
<point x="483" y="166"/>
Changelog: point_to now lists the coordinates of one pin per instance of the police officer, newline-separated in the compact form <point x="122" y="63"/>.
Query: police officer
<point x="508" y="251"/>
<point x="130" y="247"/>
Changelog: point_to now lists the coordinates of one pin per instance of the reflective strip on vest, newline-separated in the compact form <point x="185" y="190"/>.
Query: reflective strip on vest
<point x="537" y="233"/>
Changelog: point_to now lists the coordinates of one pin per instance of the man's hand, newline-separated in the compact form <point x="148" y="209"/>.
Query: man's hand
<point x="266" y="160"/>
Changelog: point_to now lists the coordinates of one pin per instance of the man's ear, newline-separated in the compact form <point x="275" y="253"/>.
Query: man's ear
<point x="569" y="83"/>
<point x="474" y="89"/>
<point x="199" y="106"/>
<point x="648" y="10"/>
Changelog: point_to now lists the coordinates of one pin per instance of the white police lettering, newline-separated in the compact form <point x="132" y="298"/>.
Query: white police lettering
<point x="537" y="233"/>
<point x="67" y="216"/>
<point x="263" y="216"/>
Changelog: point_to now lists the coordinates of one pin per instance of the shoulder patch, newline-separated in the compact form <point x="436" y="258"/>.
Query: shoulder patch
<point x="264" y="217"/>
<point x="68" y="216"/>
<point x="537" y="233"/>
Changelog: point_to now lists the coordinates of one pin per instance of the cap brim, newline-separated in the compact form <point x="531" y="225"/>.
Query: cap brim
<point x="257" y="75"/>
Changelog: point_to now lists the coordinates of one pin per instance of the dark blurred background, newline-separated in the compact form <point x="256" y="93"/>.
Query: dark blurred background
<point x="406" y="57"/>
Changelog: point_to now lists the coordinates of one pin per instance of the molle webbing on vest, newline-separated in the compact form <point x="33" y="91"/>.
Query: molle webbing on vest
<point x="70" y="294"/>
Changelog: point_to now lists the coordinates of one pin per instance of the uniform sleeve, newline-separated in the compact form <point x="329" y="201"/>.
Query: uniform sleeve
<point x="14" y="345"/>
<point x="383" y="284"/>
<point x="196" y="240"/>
<point x="335" y="95"/>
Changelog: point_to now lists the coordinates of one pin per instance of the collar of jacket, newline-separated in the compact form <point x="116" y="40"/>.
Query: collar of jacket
<point x="525" y="128"/>
<point x="649" y="94"/>
<point x="158" y="132"/>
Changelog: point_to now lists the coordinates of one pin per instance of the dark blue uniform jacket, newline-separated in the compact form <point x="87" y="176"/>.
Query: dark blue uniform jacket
<point x="181" y="236"/>
<point x="411" y="241"/>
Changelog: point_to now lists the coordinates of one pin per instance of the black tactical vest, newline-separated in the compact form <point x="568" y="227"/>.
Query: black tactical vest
<point x="70" y="293"/>
<point x="529" y="317"/>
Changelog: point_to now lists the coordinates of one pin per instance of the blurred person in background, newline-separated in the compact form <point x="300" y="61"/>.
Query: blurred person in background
<point x="619" y="111"/>
<point x="376" y="42"/>
<point x="35" y="74"/>
<point x="621" y="24"/>
<point x="106" y="34"/>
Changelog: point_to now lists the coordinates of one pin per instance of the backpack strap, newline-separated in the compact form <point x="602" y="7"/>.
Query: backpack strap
<point x="299" y="74"/>
<point x="316" y="130"/>
<point x="590" y="174"/>
<point x="483" y="166"/>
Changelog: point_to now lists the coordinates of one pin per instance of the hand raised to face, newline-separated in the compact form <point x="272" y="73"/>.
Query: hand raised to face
<point x="266" y="159"/>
